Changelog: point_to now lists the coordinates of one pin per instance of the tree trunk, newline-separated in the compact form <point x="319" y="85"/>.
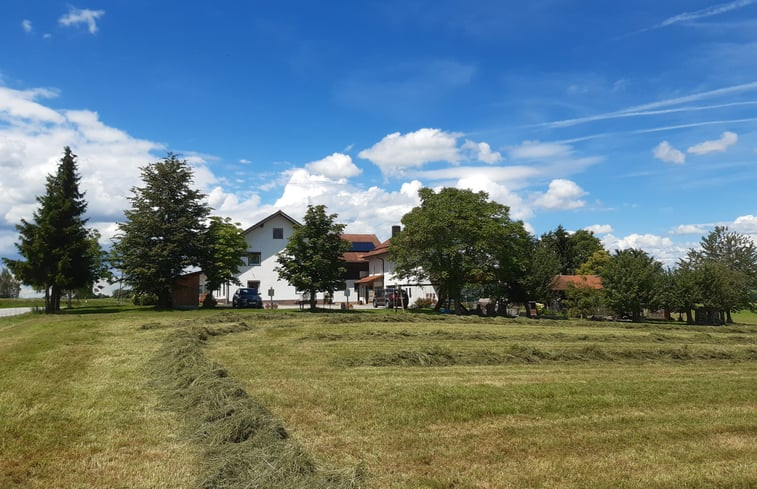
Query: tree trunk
<point x="728" y="317"/>
<point x="313" y="300"/>
<point x="689" y="318"/>
<point x="636" y="316"/>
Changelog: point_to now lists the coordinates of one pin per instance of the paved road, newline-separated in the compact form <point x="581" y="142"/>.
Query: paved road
<point x="14" y="311"/>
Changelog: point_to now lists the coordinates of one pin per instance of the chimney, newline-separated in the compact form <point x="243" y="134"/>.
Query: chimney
<point x="395" y="230"/>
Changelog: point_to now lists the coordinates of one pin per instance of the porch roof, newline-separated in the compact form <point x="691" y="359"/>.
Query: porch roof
<point x="370" y="279"/>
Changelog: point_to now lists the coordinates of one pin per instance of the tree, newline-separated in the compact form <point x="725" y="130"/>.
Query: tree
<point x="595" y="263"/>
<point x="583" y="301"/>
<point x="544" y="265"/>
<point x="9" y="286"/>
<point x="163" y="232"/>
<point x="312" y="259"/>
<point x="224" y="248"/>
<point x="455" y="238"/>
<point x="632" y="281"/>
<point x="737" y="256"/>
<point x="56" y="244"/>
<point x="572" y="250"/>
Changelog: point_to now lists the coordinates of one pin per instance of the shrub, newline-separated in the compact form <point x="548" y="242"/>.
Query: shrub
<point x="423" y="303"/>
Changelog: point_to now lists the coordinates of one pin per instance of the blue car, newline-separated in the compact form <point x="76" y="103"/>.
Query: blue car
<point x="247" y="297"/>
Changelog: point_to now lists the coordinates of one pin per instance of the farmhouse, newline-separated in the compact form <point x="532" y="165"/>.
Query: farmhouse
<point x="381" y="274"/>
<point x="268" y="237"/>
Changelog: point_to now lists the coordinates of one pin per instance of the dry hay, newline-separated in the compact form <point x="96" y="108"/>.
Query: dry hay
<point x="244" y="444"/>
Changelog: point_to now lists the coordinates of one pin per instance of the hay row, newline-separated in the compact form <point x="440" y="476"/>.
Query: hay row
<point x="243" y="443"/>
<point x="443" y="335"/>
<point x="518" y="354"/>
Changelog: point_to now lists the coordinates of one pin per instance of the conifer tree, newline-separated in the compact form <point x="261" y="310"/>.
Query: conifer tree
<point x="56" y="244"/>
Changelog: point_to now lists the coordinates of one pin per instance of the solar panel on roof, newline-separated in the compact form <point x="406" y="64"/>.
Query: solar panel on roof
<point x="362" y="246"/>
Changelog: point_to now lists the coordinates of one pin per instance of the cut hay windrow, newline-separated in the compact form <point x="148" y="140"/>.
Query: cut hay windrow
<point x="519" y="354"/>
<point x="244" y="444"/>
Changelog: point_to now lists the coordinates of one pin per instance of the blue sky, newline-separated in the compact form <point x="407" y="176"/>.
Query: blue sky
<point x="637" y="120"/>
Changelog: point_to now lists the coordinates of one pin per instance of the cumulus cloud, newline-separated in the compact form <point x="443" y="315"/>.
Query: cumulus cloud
<point x="667" y="153"/>
<point x="661" y="248"/>
<point x="480" y="182"/>
<point x="599" y="228"/>
<point x="397" y="152"/>
<point x="561" y="194"/>
<point x="482" y="152"/>
<point x="685" y="229"/>
<point x="77" y="16"/>
<point x="22" y="105"/>
<point x="717" y="146"/>
<point x="337" y="165"/>
<point x="26" y="25"/>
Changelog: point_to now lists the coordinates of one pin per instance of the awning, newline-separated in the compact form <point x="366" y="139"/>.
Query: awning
<point x="370" y="279"/>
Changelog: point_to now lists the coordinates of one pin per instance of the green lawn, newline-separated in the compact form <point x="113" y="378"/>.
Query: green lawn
<point x="412" y="400"/>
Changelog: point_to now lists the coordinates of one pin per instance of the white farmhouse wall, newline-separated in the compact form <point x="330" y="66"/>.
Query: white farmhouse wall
<point x="260" y="239"/>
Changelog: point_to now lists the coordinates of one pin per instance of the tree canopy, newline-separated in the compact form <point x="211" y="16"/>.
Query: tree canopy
<point x="163" y="232"/>
<point x="224" y="247"/>
<point x="458" y="237"/>
<point x="312" y="259"/>
<point x="58" y="249"/>
<point x="632" y="281"/>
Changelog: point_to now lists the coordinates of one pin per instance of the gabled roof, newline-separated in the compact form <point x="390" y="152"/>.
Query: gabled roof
<point x="262" y="222"/>
<point x="359" y="256"/>
<point x="381" y="249"/>
<point x="562" y="282"/>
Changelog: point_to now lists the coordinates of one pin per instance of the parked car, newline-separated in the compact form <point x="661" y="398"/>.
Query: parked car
<point x="247" y="297"/>
<point x="390" y="297"/>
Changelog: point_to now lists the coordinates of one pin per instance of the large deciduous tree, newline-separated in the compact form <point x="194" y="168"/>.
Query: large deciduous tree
<point x="57" y="247"/>
<point x="163" y="232"/>
<point x="571" y="249"/>
<point x="222" y="256"/>
<point x="632" y="280"/>
<point x="456" y="238"/>
<point x="731" y="259"/>
<point x="312" y="259"/>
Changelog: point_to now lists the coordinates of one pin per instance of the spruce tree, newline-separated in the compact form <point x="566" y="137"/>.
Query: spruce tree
<point x="56" y="243"/>
<point x="163" y="232"/>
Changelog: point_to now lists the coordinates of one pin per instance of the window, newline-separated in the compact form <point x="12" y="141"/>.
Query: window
<point x="253" y="284"/>
<point x="253" y="258"/>
<point x="278" y="233"/>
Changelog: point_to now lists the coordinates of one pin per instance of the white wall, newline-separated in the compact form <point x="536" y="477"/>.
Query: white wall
<point x="260" y="239"/>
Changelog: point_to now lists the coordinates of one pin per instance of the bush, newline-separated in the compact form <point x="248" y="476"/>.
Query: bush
<point x="145" y="300"/>
<point x="423" y="303"/>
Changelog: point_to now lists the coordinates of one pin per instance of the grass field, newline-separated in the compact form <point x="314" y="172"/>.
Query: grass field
<point x="410" y="400"/>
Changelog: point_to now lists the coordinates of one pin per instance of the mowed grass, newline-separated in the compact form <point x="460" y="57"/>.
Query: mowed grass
<point x="410" y="400"/>
<point x="514" y="403"/>
<point x="75" y="411"/>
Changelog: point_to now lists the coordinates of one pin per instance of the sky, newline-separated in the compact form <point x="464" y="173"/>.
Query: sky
<point x="636" y="120"/>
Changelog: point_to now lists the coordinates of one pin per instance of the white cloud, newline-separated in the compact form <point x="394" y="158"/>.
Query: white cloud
<point x="562" y="194"/>
<point x="599" y="228"/>
<point x="745" y="224"/>
<point x="726" y="139"/>
<point x="667" y="153"/>
<point x="245" y="162"/>
<point x="539" y="150"/>
<point x="702" y="13"/>
<point x="684" y="229"/>
<point x="659" y="247"/>
<point x="480" y="182"/>
<point x="482" y="152"/>
<point x="26" y="24"/>
<point x="21" y="104"/>
<point x="32" y="137"/>
<point x="337" y="165"/>
<point x="77" y="16"/>
<point x="397" y="152"/>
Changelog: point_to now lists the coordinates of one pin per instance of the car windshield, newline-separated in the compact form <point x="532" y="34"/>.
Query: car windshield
<point x="248" y="292"/>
